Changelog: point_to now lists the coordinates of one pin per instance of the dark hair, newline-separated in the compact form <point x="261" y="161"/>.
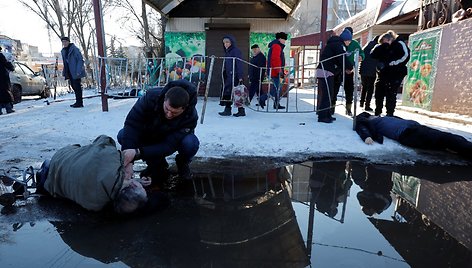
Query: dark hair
<point x="177" y="97"/>
<point x="281" y="35"/>
<point x="65" y="38"/>
<point x="255" y="46"/>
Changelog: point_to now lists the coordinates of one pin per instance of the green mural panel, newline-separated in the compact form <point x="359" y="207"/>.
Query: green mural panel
<point x="185" y="55"/>
<point x="419" y="84"/>
<point x="263" y="40"/>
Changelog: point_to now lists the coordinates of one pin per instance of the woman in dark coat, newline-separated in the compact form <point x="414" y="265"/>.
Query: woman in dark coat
<point x="331" y="64"/>
<point x="6" y="97"/>
<point x="230" y="81"/>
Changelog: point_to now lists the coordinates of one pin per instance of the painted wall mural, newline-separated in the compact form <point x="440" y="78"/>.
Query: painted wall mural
<point x="185" y="56"/>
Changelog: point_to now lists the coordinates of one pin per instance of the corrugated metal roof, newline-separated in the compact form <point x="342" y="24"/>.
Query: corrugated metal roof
<point x="165" y="6"/>
<point x="399" y="8"/>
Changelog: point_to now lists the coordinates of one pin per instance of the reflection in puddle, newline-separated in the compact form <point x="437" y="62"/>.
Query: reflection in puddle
<point x="323" y="214"/>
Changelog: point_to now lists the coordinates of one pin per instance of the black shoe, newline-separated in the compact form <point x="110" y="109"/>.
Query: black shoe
<point x="325" y="120"/>
<point x="368" y="109"/>
<point x="11" y="111"/>
<point x="262" y="104"/>
<point x="348" y="113"/>
<point x="333" y="118"/>
<point x="7" y="199"/>
<point x="76" y="105"/>
<point x="361" y="104"/>
<point x="390" y="114"/>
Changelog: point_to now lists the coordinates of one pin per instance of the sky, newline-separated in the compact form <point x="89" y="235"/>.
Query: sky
<point x="36" y="130"/>
<point x="18" y="22"/>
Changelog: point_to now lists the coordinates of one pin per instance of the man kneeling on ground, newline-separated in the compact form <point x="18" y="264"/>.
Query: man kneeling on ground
<point x="410" y="133"/>
<point x="160" y="123"/>
<point x="93" y="176"/>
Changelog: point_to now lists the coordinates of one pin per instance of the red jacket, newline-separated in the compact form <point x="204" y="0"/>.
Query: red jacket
<point x="276" y="58"/>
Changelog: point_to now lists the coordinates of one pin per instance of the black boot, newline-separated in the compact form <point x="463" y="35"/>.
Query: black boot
<point x="241" y="112"/>
<point x="226" y="112"/>
<point x="348" y="109"/>
<point x="183" y="167"/>
<point x="278" y="106"/>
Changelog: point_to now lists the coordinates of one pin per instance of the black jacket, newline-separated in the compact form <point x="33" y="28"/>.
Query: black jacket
<point x="334" y="46"/>
<point x="254" y="72"/>
<point x="365" y="128"/>
<point x="147" y="128"/>
<point x="5" y="84"/>
<point x="392" y="59"/>
<point x="369" y="64"/>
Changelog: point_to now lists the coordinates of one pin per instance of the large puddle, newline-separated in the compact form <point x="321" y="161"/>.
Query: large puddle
<point x="320" y="214"/>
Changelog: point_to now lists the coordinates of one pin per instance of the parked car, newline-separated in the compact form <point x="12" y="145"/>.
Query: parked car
<point x="26" y="82"/>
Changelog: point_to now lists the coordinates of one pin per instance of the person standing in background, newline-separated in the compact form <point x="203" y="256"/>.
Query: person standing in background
<point x="275" y="65"/>
<point x="368" y="75"/>
<point x="349" y="78"/>
<point x="256" y="72"/>
<point x="231" y="77"/>
<point x="6" y="97"/>
<point x="74" y="69"/>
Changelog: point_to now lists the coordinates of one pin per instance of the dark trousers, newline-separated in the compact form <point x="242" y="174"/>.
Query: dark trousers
<point x="367" y="89"/>
<point x="187" y="149"/>
<point x="349" y="88"/>
<point x="275" y="91"/>
<point x="8" y="107"/>
<point x="337" y="81"/>
<point x="324" y="97"/>
<point x="254" y="88"/>
<point x="77" y="87"/>
<point x="386" y="89"/>
<point x="423" y="137"/>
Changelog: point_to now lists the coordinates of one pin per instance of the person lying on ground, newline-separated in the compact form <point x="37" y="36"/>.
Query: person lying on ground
<point x="93" y="176"/>
<point x="410" y="133"/>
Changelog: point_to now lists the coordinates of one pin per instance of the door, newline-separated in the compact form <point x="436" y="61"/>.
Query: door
<point x="214" y="46"/>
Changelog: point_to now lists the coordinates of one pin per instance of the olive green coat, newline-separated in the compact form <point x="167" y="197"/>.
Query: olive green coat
<point x="89" y="175"/>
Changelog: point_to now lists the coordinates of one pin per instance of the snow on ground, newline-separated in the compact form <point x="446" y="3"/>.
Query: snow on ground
<point x="36" y="130"/>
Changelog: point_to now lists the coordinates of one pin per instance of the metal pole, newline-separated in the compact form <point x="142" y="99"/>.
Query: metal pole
<point x="356" y="86"/>
<point x="205" y="99"/>
<point x="324" y="18"/>
<point x="97" y="10"/>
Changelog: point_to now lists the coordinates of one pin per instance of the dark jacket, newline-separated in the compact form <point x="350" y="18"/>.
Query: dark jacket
<point x="147" y="128"/>
<point x="368" y="65"/>
<point x="90" y="175"/>
<point x="254" y="72"/>
<point x="233" y="52"/>
<point x="334" y="46"/>
<point x="366" y="128"/>
<point x="392" y="59"/>
<point x="276" y="58"/>
<point x="5" y="84"/>
<point x="73" y="62"/>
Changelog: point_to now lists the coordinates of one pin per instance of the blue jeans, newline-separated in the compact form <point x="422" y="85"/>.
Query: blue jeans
<point x="187" y="149"/>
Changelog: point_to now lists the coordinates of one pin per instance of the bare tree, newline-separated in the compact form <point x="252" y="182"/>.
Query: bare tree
<point x="151" y="27"/>
<point x="67" y="18"/>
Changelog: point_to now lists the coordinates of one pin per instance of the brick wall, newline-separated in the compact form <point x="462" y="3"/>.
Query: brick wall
<point x="448" y="206"/>
<point x="453" y="84"/>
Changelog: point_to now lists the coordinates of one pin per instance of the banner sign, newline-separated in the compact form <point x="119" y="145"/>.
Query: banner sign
<point x="419" y="84"/>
